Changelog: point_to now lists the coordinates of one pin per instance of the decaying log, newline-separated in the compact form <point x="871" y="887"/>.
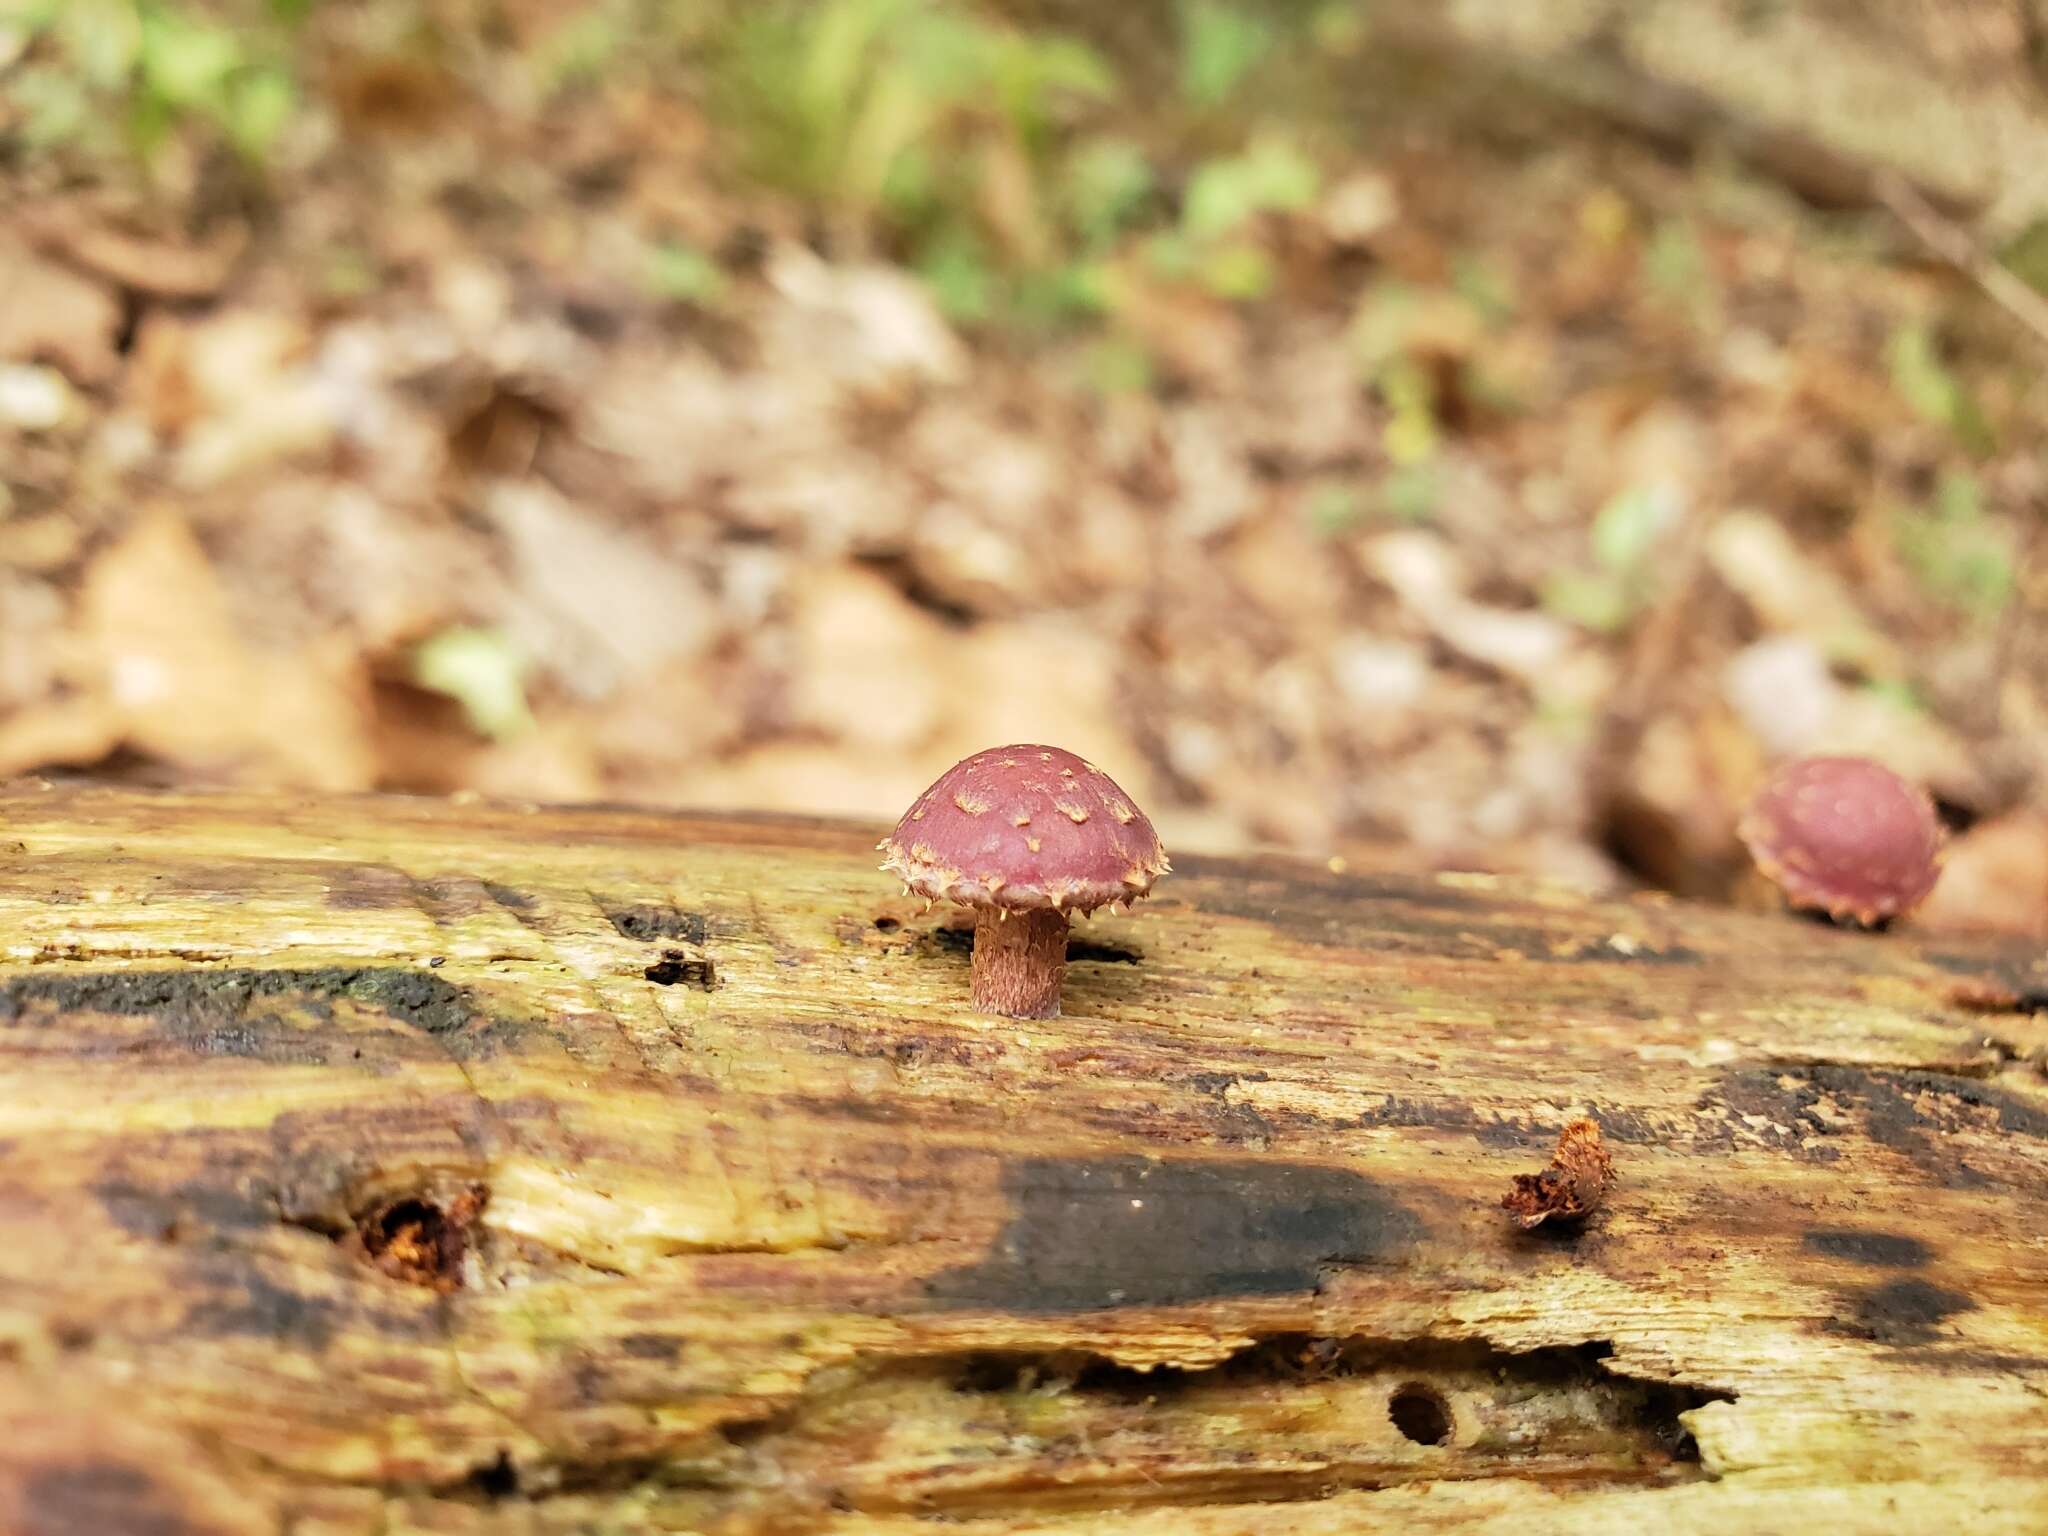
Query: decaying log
<point x="404" y="1166"/>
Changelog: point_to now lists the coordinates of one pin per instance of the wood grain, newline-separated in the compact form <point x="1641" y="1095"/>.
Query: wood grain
<point x="393" y="1166"/>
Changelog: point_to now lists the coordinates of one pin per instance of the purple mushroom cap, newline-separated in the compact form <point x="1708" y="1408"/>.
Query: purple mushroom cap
<point x="1845" y="836"/>
<point x="1024" y="828"/>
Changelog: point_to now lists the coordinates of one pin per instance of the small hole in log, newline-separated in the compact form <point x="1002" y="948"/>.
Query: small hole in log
<point x="416" y="1240"/>
<point x="887" y="924"/>
<point x="1955" y="816"/>
<point x="497" y="1479"/>
<point x="676" y="969"/>
<point x="1421" y="1414"/>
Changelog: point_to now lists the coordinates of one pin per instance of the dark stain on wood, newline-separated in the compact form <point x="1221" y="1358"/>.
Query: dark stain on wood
<point x="2011" y="982"/>
<point x="211" y="998"/>
<point x="245" y="1296"/>
<point x="1904" y="1110"/>
<point x="272" y="1016"/>
<point x="664" y="1347"/>
<point x="1399" y="915"/>
<point x="384" y="887"/>
<point x="222" y="1202"/>
<point x="74" y="1498"/>
<point x="1080" y="951"/>
<point x="1130" y="1231"/>
<point x="949" y="938"/>
<point x="1879" y="1250"/>
<point x="651" y="922"/>
<point x="369" y="888"/>
<point x="912" y="1050"/>
<point x="1905" y="1311"/>
<point x="245" y="1302"/>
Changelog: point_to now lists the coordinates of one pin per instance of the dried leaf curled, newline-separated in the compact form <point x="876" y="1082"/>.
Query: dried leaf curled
<point x="1571" y="1188"/>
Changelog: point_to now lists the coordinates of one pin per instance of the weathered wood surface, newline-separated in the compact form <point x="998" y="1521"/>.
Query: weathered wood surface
<point x="747" y="1224"/>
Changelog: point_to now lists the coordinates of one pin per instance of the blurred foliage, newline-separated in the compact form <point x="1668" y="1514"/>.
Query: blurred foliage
<point x="1220" y="46"/>
<point x="1958" y="553"/>
<point x="1626" y="533"/>
<point x="1924" y="380"/>
<point x="108" y="74"/>
<point x="2027" y="254"/>
<point x="484" y="672"/>
<point x="999" y="161"/>
<point x="684" y="274"/>
<point x="992" y="158"/>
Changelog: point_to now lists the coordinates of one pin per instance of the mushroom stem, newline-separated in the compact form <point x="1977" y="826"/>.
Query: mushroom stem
<point x="1019" y="965"/>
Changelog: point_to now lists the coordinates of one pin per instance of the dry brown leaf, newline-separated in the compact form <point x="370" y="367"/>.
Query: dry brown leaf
<point x="163" y="265"/>
<point x="1571" y="1188"/>
<point x="167" y="660"/>
<point x="51" y="315"/>
<point x="870" y="669"/>
<point x="71" y="732"/>
<point x="1994" y="879"/>
<point x="603" y="603"/>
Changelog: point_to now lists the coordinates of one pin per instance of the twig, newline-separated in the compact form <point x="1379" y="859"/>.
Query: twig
<point x="1954" y="245"/>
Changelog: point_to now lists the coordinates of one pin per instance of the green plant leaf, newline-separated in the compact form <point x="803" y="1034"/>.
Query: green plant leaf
<point x="2027" y="254"/>
<point x="1059" y="296"/>
<point x="1958" y="497"/>
<point x="1117" y="365"/>
<point x="835" y="40"/>
<point x="1238" y="271"/>
<point x="102" y="40"/>
<point x="1595" y="600"/>
<point x="1411" y="494"/>
<point x="1272" y="175"/>
<point x="1032" y="75"/>
<point x="53" y="105"/>
<point x="1220" y="45"/>
<point x="1674" y="265"/>
<point x="1627" y="528"/>
<point x="579" y="50"/>
<point x="1958" y="555"/>
<point x="1333" y="510"/>
<point x="1379" y="328"/>
<point x="1106" y="182"/>
<point x="683" y="274"/>
<point x="186" y="63"/>
<point x="1927" y="385"/>
<point x="1898" y="693"/>
<point x="483" y="671"/>
<point x="1170" y="254"/>
<point x="963" y="282"/>
<point x="1486" y="285"/>
<point x="259" y="106"/>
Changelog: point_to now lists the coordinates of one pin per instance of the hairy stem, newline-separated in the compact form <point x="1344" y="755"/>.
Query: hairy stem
<point x="1019" y="963"/>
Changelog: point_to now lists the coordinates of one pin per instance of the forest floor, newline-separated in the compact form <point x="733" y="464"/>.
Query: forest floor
<point x="769" y="406"/>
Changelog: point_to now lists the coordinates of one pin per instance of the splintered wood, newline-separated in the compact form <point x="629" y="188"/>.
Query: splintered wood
<point x="399" y="1167"/>
<point x="1571" y="1188"/>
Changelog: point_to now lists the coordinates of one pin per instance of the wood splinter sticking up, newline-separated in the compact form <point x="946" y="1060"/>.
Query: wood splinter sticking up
<point x="1571" y="1188"/>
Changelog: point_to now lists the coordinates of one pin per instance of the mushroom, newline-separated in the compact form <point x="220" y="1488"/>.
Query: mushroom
<point x="1845" y="836"/>
<point x="1024" y="835"/>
